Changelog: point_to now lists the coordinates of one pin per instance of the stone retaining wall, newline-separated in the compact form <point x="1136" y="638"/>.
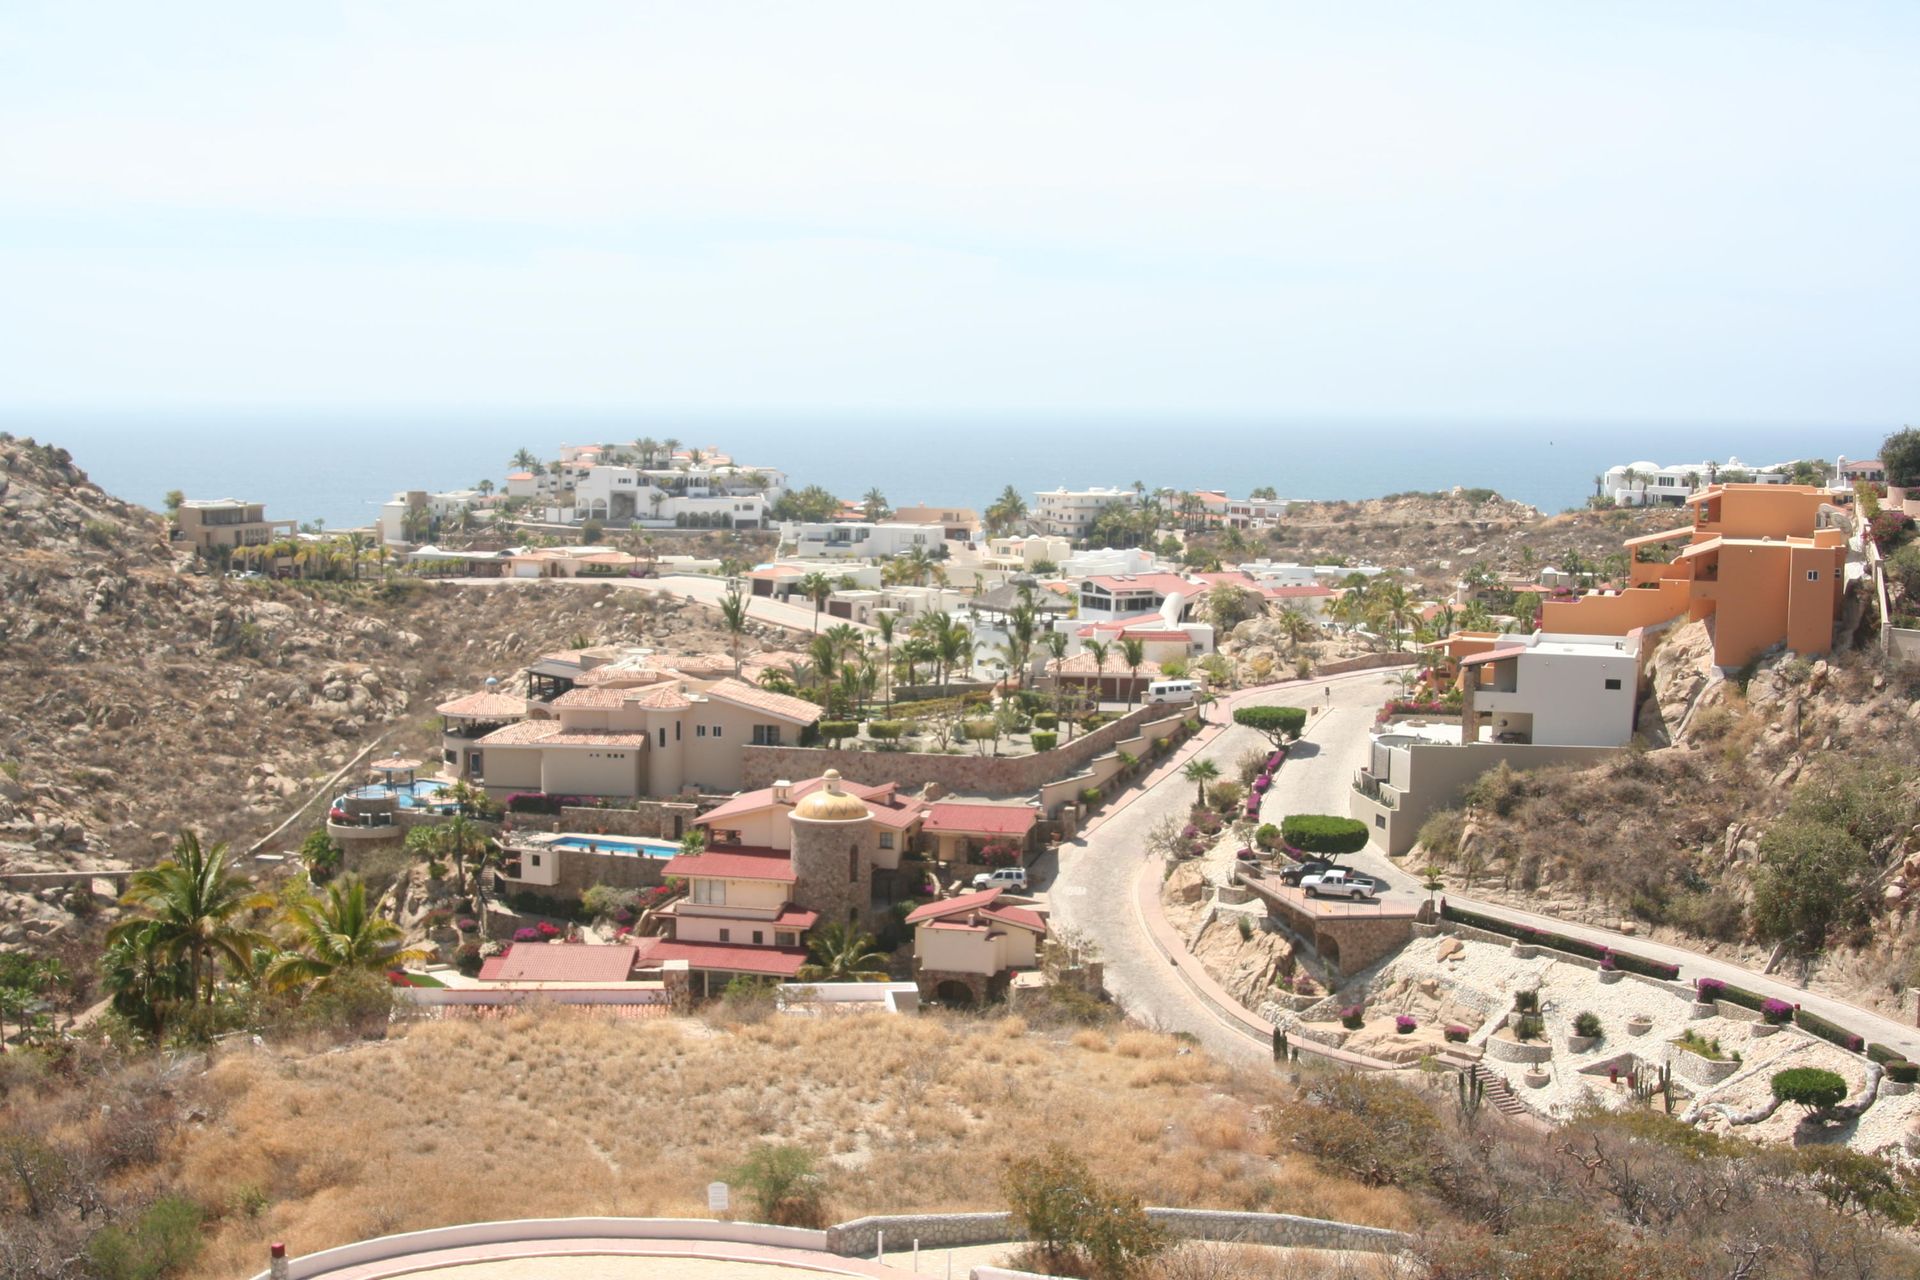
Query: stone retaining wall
<point x="950" y="1230"/>
<point x="34" y="881"/>
<point x="969" y="774"/>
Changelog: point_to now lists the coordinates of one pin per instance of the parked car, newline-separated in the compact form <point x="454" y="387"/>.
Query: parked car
<point x="1311" y="867"/>
<point x="1341" y="883"/>
<point x="1002" y="878"/>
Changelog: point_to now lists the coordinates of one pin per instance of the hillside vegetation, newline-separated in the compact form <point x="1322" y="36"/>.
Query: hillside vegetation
<point x="1781" y="823"/>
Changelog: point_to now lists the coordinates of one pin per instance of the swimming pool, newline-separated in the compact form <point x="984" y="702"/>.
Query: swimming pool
<point x="634" y="846"/>
<point x="411" y="795"/>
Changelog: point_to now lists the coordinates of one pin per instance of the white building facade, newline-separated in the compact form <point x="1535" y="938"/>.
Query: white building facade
<point x="1070" y="513"/>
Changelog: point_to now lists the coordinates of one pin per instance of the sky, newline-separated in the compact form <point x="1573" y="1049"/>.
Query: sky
<point x="1633" y="211"/>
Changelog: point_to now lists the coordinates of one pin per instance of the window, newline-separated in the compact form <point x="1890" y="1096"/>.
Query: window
<point x="716" y="731"/>
<point x="1380" y="820"/>
<point x="886" y="839"/>
<point x="726" y="935"/>
<point x="783" y="938"/>
<point x="473" y="764"/>
<point x="1613" y="683"/>
<point x="759" y="938"/>
<point x="676" y="731"/>
<point x="853" y="865"/>
<point x="709" y="893"/>
<point x="663" y="735"/>
<point x="699" y="731"/>
<point x="1813" y="575"/>
<point x="536" y="859"/>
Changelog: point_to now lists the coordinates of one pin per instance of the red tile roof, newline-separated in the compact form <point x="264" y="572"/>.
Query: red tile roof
<point x="1297" y="593"/>
<point x="953" y="912"/>
<point x="733" y="864"/>
<point x="560" y="962"/>
<point x="722" y="957"/>
<point x="980" y="819"/>
<point x="550" y="733"/>
<point x="954" y="906"/>
<point x="1018" y="916"/>
<point x="1494" y="655"/>
<point x="742" y="694"/>
<point x="1081" y="664"/>
<point x="887" y="807"/>
<point x="484" y="706"/>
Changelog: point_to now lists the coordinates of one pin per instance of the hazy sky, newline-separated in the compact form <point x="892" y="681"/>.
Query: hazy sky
<point x="1662" y="210"/>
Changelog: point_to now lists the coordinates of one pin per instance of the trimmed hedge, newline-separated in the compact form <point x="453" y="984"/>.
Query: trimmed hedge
<point x="1045" y="739"/>
<point x="1275" y="722"/>
<point x="1558" y="942"/>
<point x="1900" y="1071"/>
<point x="1832" y="1032"/>
<point x="1323" y="833"/>
<point x="885" y="730"/>
<point x="1881" y="1054"/>
<point x="1046" y="720"/>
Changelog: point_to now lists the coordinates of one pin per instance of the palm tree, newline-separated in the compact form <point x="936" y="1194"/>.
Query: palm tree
<point x="952" y="644"/>
<point x="337" y="935"/>
<point x="884" y="622"/>
<point x="1098" y="648"/>
<point x="1134" y="651"/>
<point x="876" y="505"/>
<point x="646" y="446"/>
<point x="837" y="953"/>
<point x="670" y="444"/>
<point x="145" y="982"/>
<point x="1007" y="511"/>
<point x="192" y="908"/>
<point x="485" y="487"/>
<point x="1200" y="773"/>
<point x="1294" y="623"/>
<point x="733" y="615"/>
<point x="816" y="586"/>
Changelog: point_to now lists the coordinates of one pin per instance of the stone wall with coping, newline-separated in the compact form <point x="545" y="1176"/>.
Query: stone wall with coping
<point x="966" y="774"/>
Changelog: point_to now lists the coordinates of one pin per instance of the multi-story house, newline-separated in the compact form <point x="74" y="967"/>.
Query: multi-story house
<point x="859" y="539"/>
<point x="207" y="524"/>
<point x="1070" y="513"/>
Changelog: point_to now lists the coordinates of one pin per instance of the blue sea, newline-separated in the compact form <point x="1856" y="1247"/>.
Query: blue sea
<point x="340" y="467"/>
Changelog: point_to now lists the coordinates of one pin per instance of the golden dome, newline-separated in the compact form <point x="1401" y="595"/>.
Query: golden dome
<point x="828" y="803"/>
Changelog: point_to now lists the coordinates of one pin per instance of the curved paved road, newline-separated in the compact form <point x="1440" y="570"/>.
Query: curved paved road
<point x="1092" y="888"/>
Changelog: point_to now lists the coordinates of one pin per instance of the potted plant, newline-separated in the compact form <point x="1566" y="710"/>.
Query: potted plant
<point x="1774" y="1014"/>
<point x="1639" y="1024"/>
<point x="1536" y="1077"/>
<point x="1706" y="997"/>
<point x="1403" y="1024"/>
<point x="1587" y="1033"/>
<point x="1609" y="971"/>
<point x="1353" y="1017"/>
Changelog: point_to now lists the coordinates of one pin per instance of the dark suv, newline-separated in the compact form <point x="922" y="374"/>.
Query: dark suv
<point x="1311" y="867"/>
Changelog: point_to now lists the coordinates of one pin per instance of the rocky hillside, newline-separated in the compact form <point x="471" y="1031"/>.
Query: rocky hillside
<point x="138" y="698"/>
<point x="1800" y="775"/>
<point x="1434" y="537"/>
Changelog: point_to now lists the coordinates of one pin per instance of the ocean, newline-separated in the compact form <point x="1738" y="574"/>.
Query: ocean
<point x="340" y="467"/>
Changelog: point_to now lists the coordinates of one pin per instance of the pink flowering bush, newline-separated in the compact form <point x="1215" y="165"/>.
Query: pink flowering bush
<point x="526" y="935"/>
<point x="1404" y="1024"/>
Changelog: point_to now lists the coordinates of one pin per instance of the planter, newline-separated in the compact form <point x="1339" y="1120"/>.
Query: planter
<point x="1536" y="1079"/>
<point x="1610" y="976"/>
<point x="1761" y="1030"/>
<point x="1583" y="1044"/>
<point x="1689" y="1065"/>
<point x="1525" y="950"/>
<point x="1639" y="1024"/>
<point x="1697" y="1011"/>
<point x="1895" y="1088"/>
<point x="1502" y="1047"/>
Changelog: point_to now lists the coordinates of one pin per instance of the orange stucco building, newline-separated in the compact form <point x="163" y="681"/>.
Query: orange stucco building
<point x="1755" y="561"/>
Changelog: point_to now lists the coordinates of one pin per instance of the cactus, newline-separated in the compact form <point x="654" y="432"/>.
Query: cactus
<point x="1279" y="1044"/>
<point x="1472" y="1092"/>
<point x="1646" y="1087"/>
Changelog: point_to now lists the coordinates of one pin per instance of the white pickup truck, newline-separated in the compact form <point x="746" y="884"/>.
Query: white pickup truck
<point x="1341" y="883"/>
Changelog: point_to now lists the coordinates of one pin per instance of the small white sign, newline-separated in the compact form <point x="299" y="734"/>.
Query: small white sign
<point x="716" y="1197"/>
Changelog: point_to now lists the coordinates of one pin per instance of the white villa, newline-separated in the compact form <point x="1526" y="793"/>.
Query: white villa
<point x="1647" y="484"/>
<point x="1070" y="513"/>
<point x="859" y="539"/>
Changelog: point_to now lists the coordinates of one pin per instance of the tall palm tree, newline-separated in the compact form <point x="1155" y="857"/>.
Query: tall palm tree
<point x="1006" y="511"/>
<point x="485" y="487"/>
<point x="839" y="953"/>
<point x="461" y="842"/>
<point x="523" y="460"/>
<point x="335" y="935"/>
<point x="670" y="444"/>
<point x="192" y="907"/>
<point x="1134" y="651"/>
<point x="1200" y="773"/>
<point x="1098" y="648"/>
<point x="816" y="586"/>
<point x="953" y="645"/>
<point x="733" y="615"/>
<point x="884" y="622"/>
<point x="875" y="504"/>
<point x="1294" y="623"/>
<point x="146" y="984"/>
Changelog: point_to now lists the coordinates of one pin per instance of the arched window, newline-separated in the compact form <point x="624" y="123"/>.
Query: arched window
<point x="853" y="865"/>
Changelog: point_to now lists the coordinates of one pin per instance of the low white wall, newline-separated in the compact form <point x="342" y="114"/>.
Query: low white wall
<point x="387" y="1248"/>
<point x="625" y="993"/>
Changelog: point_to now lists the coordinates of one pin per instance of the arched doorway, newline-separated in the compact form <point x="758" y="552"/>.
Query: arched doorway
<point x="954" y="992"/>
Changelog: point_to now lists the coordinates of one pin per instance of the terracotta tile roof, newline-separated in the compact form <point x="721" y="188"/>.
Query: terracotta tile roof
<point x="485" y="706"/>
<point x="581" y="696"/>
<point x="961" y="905"/>
<point x="792" y="917"/>
<point x="660" y="697"/>
<point x="1081" y="664"/>
<point x="732" y="864"/>
<point x="1230" y="577"/>
<point x="888" y="808"/>
<point x="743" y="694"/>
<point x="1297" y="593"/>
<point x="721" y="957"/>
<point x="1021" y="917"/>
<point x="519" y="475"/>
<point x="981" y="819"/>
<point x="777" y="571"/>
<point x="618" y="673"/>
<point x="551" y="733"/>
<point x="561" y="962"/>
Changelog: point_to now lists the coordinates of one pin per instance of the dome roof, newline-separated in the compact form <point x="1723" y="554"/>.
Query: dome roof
<point x="829" y="803"/>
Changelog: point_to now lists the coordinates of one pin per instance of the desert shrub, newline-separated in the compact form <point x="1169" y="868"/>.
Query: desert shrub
<point x="1810" y="882"/>
<point x="1586" y="1024"/>
<point x="1854" y="1182"/>
<point x="1440" y="833"/>
<point x="1281" y="724"/>
<point x="1090" y="795"/>
<point x="1404" y="1024"/>
<point x="1811" y="1088"/>
<point x="1526" y="1000"/>
<point x="1865" y="797"/>
<point x="1529" y="1027"/>
<point x="1323" y="833"/>
<point x="1226" y="795"/>
<point x="783" y="1184"/>
<point x="1371" y="1130"/>
<point x="1078" y="1224"/>
<point x="1500" y="789"/>
<point x="1456" y="1034"/>
<point x="163" y="1240"/>
<point x="1353" y="1017"/>
<point x="1045" y="740"/>
<point x="1268" y="836"/>
<point x="600" y="901"/>
<point x="1246" y="928"/>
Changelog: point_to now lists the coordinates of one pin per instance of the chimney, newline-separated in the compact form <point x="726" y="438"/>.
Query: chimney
<point x="781" y="790"/>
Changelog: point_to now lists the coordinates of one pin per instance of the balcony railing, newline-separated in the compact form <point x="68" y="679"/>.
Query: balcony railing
<point x="1371" y="788"/>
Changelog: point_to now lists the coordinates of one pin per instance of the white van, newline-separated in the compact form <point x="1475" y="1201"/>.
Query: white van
<point x="1172" y="690"/>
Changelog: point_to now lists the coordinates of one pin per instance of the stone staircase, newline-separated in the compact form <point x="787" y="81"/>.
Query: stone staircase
<point x="1497" y="1090"/>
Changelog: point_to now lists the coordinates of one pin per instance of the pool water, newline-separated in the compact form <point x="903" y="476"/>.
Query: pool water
<point x="412" y="795"/>
<point x="636" y="846"/>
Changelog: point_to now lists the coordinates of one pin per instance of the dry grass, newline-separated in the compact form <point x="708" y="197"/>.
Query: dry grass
<point x="554" y="1114"/>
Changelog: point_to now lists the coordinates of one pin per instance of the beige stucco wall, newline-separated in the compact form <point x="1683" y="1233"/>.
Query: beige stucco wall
<point x="742" y="895"/>
<point x="953" y="952"/>
<point x="591" y="771"/>
<point x="1436" y="776"/>
<point x="511" y="768"/>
